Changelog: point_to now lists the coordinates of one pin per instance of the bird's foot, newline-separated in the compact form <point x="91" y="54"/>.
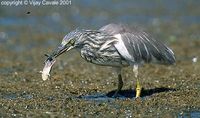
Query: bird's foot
<point x="116" y="94"/>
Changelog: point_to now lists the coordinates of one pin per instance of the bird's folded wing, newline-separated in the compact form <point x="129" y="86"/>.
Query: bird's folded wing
<point x="141" y="47"/>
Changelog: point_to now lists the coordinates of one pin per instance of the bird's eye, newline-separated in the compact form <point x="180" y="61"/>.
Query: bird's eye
<point x="72" y="42"/>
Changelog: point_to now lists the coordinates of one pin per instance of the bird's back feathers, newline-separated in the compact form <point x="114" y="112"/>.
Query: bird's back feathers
<point x="140" y="45"/>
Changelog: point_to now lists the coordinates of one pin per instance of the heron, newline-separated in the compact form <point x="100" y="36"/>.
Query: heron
<point x="118" y="46"/>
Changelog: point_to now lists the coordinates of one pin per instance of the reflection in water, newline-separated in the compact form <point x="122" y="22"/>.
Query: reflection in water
<point x="189" y="114"/>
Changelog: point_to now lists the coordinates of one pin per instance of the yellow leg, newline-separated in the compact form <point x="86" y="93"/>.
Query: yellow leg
<point x="138" y="89"/>
<point x="138" y="86"/>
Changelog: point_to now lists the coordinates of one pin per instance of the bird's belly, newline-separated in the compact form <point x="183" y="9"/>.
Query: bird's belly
<point x="104" y="59"/>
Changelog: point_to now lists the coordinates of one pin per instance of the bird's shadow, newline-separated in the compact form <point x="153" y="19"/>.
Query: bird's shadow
<point x="129" y="93"/>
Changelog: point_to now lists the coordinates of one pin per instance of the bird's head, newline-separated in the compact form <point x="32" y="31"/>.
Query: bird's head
<point x="70" y="41"/>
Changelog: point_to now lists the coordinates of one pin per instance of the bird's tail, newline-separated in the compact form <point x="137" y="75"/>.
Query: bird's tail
<point x="163" y="54"/>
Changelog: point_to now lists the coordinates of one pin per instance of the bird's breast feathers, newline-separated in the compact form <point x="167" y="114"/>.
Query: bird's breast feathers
<point x="106" y="55"/>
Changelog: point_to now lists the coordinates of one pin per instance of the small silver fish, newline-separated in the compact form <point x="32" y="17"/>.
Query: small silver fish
<point x="47" y="68"/>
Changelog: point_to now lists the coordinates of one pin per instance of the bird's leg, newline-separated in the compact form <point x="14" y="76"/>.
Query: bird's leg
<point x="120" y="82"/>
<point x="138" y="86"/>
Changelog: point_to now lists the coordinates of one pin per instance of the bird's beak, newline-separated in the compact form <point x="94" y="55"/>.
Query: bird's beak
<point x="61" y="49"/>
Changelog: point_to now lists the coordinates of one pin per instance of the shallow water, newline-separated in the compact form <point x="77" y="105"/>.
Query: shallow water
<point x="80" y="89"/>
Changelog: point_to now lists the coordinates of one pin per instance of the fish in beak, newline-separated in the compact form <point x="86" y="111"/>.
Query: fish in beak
<point x="66" y="45"/>
<point x="47" y="68"/>
<point x="49" y="62"/>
